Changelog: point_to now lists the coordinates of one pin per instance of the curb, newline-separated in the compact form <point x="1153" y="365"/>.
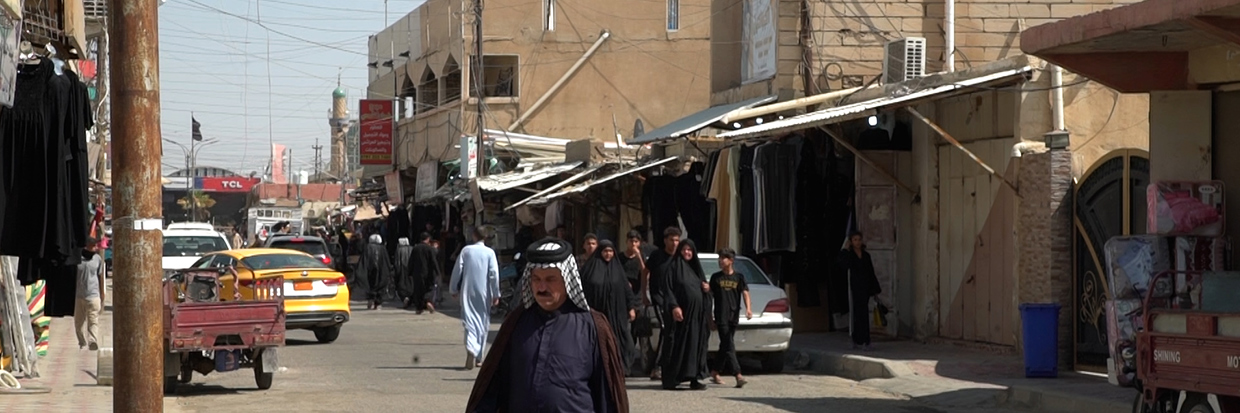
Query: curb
<point x="862" y="368"/>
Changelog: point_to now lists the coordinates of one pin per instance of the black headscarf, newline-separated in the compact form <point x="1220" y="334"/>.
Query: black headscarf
<point x="682" y="266"/>
<point x="597" y="267"/>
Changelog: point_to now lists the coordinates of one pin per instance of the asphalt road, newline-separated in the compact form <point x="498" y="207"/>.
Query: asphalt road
<point x="372" y="367"/>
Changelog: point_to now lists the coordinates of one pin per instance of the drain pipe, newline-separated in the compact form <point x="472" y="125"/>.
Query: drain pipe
<point x="556" y="87"/>
<point x="949" y="26"/>
<point x="1057" y="97"/>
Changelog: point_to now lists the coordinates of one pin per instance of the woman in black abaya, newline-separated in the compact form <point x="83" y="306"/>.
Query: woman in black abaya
<point x="607" y="290"/>
<point x="687" y="293"/>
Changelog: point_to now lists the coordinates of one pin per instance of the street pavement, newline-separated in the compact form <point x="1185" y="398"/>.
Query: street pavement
<point x="394" y="360"/>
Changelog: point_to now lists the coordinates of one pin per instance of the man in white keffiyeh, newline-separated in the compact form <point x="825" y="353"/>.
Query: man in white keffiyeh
<point x="552" y="354"/>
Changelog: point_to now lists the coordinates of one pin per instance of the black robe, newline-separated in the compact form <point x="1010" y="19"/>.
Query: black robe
<point x="685" y="356"/>
<point x="489" y="392"/>
<point x="374" y="272"/>
<point x="424" y="269"/>
<point x="607" y="291"/>
<point x="404" y="277"/>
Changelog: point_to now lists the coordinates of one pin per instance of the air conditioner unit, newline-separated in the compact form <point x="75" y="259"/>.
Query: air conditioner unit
<point x="904" y="59"/>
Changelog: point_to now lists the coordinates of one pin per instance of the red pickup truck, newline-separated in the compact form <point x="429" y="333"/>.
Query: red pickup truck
<point x="206" y="333"/>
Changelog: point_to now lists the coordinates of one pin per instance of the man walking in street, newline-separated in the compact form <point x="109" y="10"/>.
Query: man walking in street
<point x="560" y="356"/>
<point x="475" y="280"/>
<point x="90" y="286"/>
<point x="656" y="267"/>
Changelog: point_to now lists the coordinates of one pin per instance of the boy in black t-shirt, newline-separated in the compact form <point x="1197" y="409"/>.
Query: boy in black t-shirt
<point x="728" y="288"/>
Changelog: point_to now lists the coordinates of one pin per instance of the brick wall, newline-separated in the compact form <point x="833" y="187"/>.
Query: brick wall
<point x="1044" y="237"/>
<point x="850" y="35"/>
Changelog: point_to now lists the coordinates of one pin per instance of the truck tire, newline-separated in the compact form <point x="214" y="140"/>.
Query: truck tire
<point x="1201" y="407"/>
<point x="773" y="363"/>
<point x="262" y="378"/>
<point x="327" y="335"/>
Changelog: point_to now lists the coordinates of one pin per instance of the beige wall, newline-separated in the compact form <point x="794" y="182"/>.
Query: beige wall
<point x="1180" y="136"/>
<point x="641" y="71"/>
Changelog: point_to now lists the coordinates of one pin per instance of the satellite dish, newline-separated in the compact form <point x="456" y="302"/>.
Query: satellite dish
<point x="638" y="128"/>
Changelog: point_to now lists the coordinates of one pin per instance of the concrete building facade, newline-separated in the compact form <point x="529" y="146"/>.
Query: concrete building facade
<point x="971" y="245"/>
<point x="557" y="68"/>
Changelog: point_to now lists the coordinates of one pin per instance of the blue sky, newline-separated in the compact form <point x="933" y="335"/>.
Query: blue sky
<point x="214" y="62"/>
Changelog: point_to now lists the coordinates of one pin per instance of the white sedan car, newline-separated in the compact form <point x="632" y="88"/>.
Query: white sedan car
<point x="764" y="337"/>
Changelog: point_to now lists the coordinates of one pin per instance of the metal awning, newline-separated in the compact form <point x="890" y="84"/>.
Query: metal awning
<point x="557" y="186"/>
<point x="1143" y="46"/>
<point x="696" y="121"/>
<point x="510" y="180"/>
<point x="582" y="187"/>
<point x="870" y="107"/>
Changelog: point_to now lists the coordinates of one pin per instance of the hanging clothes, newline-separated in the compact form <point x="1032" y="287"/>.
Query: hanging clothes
<point x="697" y="214"/>
<point x="748" y="196"/>
<point x="813" y="193"/>
<point x="721" y="191"/>
<point x="776" y="168"/>
<point x="660" y="209"/>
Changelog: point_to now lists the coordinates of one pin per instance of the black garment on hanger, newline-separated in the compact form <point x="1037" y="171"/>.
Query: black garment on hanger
<point x="747" y="198"/>
<point x="658" y="206"/>
<point x="24" y="132"/>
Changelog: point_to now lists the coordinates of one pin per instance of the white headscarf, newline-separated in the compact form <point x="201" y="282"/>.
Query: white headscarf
<point x="403" y="242"/>
<point x="376" y="239"/>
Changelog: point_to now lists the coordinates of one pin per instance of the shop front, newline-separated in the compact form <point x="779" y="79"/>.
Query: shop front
<point x="1181" y="54"/>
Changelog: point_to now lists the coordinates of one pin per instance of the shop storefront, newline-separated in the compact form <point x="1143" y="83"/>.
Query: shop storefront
<point x="1180" y="53"/>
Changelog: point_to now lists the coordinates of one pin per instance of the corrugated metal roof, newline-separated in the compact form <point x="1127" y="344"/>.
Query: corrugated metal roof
<point x="582" y="187"/>
<point x="863" y="109"/>
<point x="509" y="180"/>
<point x="696" y="121"/>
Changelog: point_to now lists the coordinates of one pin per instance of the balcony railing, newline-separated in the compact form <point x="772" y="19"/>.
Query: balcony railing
<point x="95" y="10"/>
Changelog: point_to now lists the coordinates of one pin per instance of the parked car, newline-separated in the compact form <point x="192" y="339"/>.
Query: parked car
<point x="316" y="297"/>
<point x="186" y="243"/>
<point x="327" y="252"/>
<point x="766" y="336"/>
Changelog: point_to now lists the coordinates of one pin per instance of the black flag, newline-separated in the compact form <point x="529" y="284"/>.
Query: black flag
<point x="197" y="127"/>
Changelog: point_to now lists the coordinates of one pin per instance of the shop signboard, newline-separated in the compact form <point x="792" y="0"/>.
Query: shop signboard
<point x="225" y="184"/>
<point x="392" y="181"/>
<point x="759" y="41"/>
<point x="469" y="157"/>
<point x="428" y="179"/>
<point x="375" y="142"/>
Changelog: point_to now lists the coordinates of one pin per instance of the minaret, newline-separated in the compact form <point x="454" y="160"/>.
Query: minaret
<point x="340" y="126"/>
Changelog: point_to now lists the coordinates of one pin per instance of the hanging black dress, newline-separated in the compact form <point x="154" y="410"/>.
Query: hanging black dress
<point x="607" y="291"/>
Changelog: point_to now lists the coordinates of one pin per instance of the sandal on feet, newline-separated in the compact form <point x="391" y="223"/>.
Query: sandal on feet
<point x="741" y="383"/>
<point x="716" y="380"/>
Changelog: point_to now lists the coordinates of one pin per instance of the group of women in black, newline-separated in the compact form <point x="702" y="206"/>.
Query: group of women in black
<point x="678" y="289"/>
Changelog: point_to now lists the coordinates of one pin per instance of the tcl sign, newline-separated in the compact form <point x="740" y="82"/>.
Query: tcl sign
<point x="228" y="184"/>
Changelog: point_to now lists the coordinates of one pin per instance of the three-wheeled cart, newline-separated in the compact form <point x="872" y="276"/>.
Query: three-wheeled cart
<point x="207" y="333"/>
<point x="1188" y="355"/>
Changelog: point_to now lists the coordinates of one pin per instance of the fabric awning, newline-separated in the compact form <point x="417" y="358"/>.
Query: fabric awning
<point x="582" y="187"/>
<point x="509" y="180"/>
<point x="870" y="107"/>
<point x="696" y="121"/>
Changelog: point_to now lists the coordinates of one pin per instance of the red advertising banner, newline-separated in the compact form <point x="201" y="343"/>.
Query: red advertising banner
<point x="226" y="184"/>
<point x="375" y="142"/>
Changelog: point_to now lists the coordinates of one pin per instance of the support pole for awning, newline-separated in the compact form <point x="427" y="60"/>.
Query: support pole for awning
<point x="552" y="188"/>
<point x="961" y="147"/>
<point x="867" y="160"/>
<point x="555" y="87"/>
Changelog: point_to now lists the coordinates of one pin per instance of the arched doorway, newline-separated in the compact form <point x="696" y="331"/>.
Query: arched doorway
<point x="1108" y="201"/>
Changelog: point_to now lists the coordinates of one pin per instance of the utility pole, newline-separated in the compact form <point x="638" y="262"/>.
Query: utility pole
<point x="138" y="326"/>
<point x="318" y="157"/>
<point x="189" y="182"/>
<point x="479" y="82"/>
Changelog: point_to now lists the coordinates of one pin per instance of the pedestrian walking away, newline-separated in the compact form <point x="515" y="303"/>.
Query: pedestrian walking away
<point x="729" y="290"/>
<point x="686" y="293"/>
<point x="424" y="271"/>
<point x="90" y="294"/>
<point x="402" y="273"/>
<point x="862" y="285"/>
<point x="607" y="291"/>
<point x="554" y="352"/>
<point x="374" y="270"/>
<point x="475" y="280"/>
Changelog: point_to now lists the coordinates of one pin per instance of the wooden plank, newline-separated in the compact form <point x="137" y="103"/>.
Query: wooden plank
<point x="968" y="288"/>
<point x="982" y="256"/>
<point x="998" y="244"/>
<point x="1008" y="287"/>
<point x="945" y="295"/>
<point x="954" y="225"/>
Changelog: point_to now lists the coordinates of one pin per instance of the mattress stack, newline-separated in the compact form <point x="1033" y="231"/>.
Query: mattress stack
<point x="1186" y="235"/>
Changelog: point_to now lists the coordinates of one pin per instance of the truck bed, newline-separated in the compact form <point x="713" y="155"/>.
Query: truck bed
<point x="226" y="325"/>
<point x="1190" y="351"/>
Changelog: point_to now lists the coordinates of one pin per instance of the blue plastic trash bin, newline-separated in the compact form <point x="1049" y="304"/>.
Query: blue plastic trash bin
<point x="1040" y="330"/>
